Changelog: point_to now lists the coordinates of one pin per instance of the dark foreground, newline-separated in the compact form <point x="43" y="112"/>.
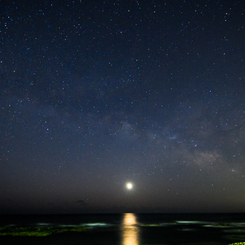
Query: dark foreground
<point x="124" y="229"/>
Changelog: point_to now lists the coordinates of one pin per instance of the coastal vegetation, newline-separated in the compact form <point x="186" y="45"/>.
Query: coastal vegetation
<point x="37" y="231"/>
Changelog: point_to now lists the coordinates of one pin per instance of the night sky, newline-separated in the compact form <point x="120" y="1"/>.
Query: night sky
<point x="95" y="94"/>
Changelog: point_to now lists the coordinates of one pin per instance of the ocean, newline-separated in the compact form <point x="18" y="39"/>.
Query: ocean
<point x="124" y="229"/>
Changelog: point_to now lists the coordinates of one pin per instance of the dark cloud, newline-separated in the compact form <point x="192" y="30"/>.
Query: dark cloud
<point x="81" y="203"/>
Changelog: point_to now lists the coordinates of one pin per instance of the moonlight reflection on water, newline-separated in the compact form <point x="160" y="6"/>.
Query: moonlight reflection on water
<point x="130" y="230"/>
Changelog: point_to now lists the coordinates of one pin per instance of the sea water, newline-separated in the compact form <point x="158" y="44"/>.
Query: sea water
<point x="132" y="229"/>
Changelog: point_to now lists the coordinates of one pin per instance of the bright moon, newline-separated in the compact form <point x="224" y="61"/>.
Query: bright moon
<point x="129" y="186"/>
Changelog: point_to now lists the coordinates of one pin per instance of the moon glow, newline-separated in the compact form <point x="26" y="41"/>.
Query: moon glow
<point x="129" y="186"/>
